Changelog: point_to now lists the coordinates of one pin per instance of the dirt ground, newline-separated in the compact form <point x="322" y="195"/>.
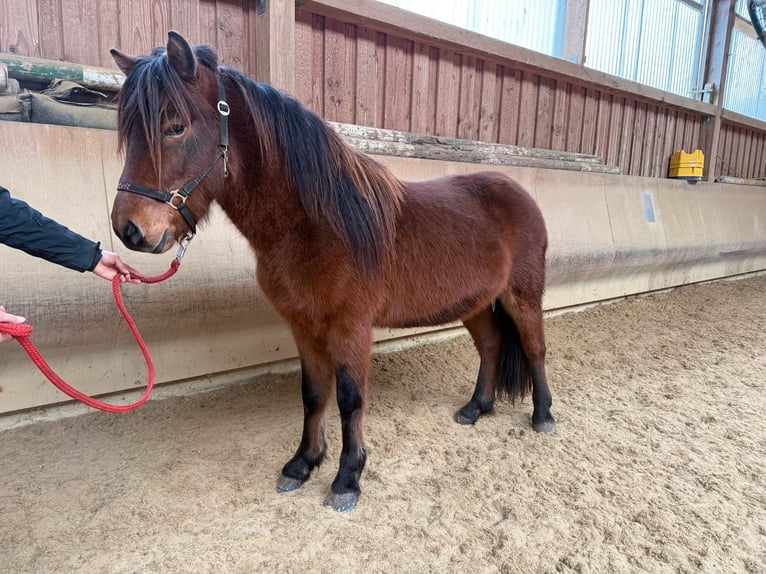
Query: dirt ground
<point x="657" y="464"/>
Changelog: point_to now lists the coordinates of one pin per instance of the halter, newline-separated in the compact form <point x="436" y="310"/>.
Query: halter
<point x="177" y="197"/>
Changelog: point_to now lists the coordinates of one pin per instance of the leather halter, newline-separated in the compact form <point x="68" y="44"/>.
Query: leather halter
<point x="177" y="198"/>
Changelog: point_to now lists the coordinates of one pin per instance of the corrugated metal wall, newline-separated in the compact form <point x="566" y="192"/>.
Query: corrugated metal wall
<point x="654" y="42"/>
<point x="534" y="24"/>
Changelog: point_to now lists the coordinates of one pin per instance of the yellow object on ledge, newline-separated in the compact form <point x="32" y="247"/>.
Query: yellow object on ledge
<point x="687" y="165"/>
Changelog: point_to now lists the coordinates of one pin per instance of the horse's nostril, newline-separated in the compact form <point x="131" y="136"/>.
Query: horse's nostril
<point x="132" y="234"/>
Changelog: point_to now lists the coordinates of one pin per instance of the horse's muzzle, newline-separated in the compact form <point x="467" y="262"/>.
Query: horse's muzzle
<point x="133" y="236"/>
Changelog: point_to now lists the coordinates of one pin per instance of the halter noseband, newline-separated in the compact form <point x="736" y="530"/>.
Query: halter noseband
<point x="177" y="197"/>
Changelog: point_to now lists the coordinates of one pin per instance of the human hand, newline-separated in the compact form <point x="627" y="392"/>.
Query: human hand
<point x="8" y="318"/>
<point x="110" y="265"/>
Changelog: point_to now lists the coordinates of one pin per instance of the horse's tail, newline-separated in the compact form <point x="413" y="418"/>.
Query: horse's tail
<point x="514" y="373"/>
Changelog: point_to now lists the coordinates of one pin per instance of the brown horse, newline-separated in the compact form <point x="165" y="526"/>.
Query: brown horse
<point x="342" y="245"/>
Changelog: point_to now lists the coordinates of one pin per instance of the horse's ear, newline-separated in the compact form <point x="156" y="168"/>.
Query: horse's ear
<point x="123" y="61"/>
<point x="180" y="56"/>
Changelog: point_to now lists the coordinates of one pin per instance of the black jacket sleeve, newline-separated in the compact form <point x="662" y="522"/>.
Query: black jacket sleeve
<point x="25" y="228"/>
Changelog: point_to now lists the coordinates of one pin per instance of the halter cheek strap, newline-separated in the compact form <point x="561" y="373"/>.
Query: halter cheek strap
<point x="177" y="197"/>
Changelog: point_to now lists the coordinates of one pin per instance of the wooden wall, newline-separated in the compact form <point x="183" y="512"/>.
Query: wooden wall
<point x="359" y="74"/>
<point x="742" y="149"/>
<point x="374" y="65"/>
<point x="83" y="31"/>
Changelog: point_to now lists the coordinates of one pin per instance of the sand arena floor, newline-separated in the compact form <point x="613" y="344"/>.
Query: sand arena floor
<point x="657" y="464"/>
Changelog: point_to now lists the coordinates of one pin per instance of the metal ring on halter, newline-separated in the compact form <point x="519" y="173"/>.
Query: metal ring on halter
<point x="223" y="108"/>
<point x="183" y="243"/>
<point x="176" y="194"/>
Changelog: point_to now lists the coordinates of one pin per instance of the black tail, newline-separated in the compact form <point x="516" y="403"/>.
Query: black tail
<point x="514" y="375"/>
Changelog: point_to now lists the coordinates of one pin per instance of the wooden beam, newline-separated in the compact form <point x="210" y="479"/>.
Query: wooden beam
<point x="576" y="30"/>
<point x="722" y="20"/>
<point x="274" y="28"/>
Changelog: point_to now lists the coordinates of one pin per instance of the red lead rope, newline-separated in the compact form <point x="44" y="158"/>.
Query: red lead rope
<point x="22" y="331"/>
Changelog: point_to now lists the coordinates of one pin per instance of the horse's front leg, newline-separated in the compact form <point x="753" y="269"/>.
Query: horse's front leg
<point x="316" y="386"/>
<point x="351" y="352"/>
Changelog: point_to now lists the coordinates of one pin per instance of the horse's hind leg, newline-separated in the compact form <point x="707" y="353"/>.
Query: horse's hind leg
<point x="527" y="315"/>
<point x="487" y="338"/>
<point x="316" y="387"/>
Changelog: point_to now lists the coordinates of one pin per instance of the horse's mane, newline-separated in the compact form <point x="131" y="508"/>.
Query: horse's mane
<point x="337" y="185"/>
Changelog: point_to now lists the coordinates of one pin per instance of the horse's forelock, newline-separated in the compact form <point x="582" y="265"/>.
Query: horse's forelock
<point x="150" y="91"/>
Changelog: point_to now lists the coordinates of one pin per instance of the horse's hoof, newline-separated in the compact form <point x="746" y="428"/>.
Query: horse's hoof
<point x="288" y="484"/>
<point x="547" y="426"/>
<point x="468" y="415"/>
<point x="341" y="502"/>
<point x="463" y="419"/>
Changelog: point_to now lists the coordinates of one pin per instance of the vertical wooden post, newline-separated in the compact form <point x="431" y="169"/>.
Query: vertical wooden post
<point x="721" y="24"/>
<point x="576" y="30"/>
<point x="274" y="42"/>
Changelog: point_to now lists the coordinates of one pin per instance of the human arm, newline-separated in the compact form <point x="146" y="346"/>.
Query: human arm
<point x="23" y="227"/>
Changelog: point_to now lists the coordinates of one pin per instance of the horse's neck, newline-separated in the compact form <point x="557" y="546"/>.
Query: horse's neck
<point x="263" y="207"/>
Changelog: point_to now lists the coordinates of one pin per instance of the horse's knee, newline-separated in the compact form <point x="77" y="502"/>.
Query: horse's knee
<point x="349" y="396"/>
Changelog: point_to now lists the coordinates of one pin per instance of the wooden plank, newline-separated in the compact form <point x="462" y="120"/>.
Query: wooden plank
<point x="528" y="109"/>
<point x="590" y="116"/>
<point x="108" y="32"/>
<point x="309" y="61"/>
<point x="576" y="118"/>
<point x="19" y="32"/>
<point x="275" y="44"/>
<point x="626" y="139"/>
<point x="544" y="124"/>
<point x="615" y="130"/>
<point x="138" y="30"/>
<point x="748" y="150"/>
<point x="447" y="95"/>
<point x="759" y="167"/>
<point x="669" y="141"/>
<point x="231" y="42"/>
<point x="510" y="97"/>
<point x="397" y="111"/>
<point x="208" y="31"/>
<point x="741" y="152"/>
<point x="81" y="24"/>
<point x="185" y="19"/>
<point x="340" y="71"/>
<point x="491" y="86"/>
<point x="304" y="71"/>
<point x="468" y="108"/>
<point x="424" y="66"/>
<point x="603" y="121"/>
<point x="658" y="157"/>
<point x="724" y="150"/>
<point x="51" y="40"/>
<point x="637" y="147"/>
<point x="689" y="125"/>
<point x="370" y="83"/>
<point x="650" y="141"/>
<point x="560" y="128"/>
<point x="405" y="144"/>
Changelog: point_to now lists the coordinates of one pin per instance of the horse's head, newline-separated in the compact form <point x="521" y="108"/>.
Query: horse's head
<point x="172" y="128"/>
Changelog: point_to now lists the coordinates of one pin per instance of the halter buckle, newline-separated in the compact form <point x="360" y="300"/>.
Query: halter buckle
<point x="176" y="194"/>
<point x="223" y="108"/>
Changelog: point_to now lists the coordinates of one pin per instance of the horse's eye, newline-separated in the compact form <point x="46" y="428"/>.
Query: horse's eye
<point x="174" y="130"/>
